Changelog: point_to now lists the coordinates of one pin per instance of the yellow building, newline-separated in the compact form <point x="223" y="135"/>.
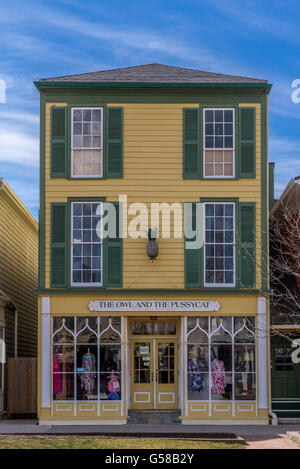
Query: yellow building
<point x="18" y="280"/>
<point x="121" y="333"/>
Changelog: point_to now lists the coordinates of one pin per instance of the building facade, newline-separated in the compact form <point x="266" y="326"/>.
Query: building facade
<point x="186" y="330"/>
<point x="284" y="307"/>
<point x="18" y="280"/>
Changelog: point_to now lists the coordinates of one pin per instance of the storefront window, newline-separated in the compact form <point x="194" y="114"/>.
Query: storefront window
<point x="283" y="359"/>
<point x="221" y="358"/>
<point x="86" y="358"/>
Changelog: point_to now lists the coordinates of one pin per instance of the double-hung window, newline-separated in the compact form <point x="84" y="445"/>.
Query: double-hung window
<point x="87" y="142"/>
<point x="219" y="143"/>
<point x="219" y="249"/>
<point x="86" y="244"/>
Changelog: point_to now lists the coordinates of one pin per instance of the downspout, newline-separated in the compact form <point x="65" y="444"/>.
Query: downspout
<point x="16" y="333"/>
<point x="274" y="418"/>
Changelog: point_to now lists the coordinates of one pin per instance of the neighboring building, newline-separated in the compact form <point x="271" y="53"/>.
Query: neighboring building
<point x="186" y="331"/>
<point x="18" y="280"/>
<point x="285" y="304"/>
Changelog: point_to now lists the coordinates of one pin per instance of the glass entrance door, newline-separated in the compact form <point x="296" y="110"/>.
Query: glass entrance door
<point x="154" y="374"/>
<point x="166" y="374"/>
<point x="142" y="375"/>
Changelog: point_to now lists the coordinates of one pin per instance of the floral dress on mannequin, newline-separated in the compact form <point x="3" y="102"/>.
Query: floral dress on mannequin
<point x="217" y="377"/>
<point x="195" y="369"/>
<point x="88" y="378"/>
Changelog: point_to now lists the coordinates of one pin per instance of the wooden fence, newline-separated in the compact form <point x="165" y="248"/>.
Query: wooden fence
<point x="22" y="386"/>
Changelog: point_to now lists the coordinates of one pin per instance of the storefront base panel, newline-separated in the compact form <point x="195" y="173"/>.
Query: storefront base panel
<point x="83" y="422"/>
<point x="225" y="422"/>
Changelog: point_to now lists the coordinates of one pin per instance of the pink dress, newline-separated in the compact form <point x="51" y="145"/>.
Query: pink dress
<point x="56" y="377"/>
<point x="217" y="377"/>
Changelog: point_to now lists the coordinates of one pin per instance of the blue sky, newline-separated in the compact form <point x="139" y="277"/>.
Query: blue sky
<point x="50" y="38"/>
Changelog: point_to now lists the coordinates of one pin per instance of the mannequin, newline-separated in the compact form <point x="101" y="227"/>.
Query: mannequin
<point x="217" y="376"/>
<point x="109" y="364"/>
<point x="88" y="378"/>
<point x="195" y="369"/>
<point x="113" y="387"/>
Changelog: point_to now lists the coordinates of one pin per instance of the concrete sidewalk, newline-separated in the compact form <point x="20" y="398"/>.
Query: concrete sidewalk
<point x="28" y="427"/>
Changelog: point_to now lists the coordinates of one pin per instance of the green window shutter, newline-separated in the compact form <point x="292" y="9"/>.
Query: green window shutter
<point x="246" y="243"/>
<point x="58" y="163"/>
<point x="58" y="244"/>
<point x="247" y="142"/>
<point x="192" y="257"/>
<point x="114" y="159"/>
<point x="114" y="255"/>
<point x="191" y="143"/>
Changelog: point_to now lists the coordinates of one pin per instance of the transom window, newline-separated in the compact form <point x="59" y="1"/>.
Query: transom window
<point x="86" y="244"/>
<point x="219" y="143"/>
<point x="153" y="328"/>
<point x="219" y="250"/>
<point x="87" y="142"/>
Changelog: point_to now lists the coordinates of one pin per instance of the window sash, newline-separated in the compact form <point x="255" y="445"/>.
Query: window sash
<point x="223" y="148"/>
<point x="91" y="148"/>
<point x="86" y="243"/>
<point x="215" y="284"/>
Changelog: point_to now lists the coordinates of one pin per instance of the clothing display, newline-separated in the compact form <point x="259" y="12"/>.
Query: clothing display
<point x="244" y="361"/>
<point x="113" y="388"/>
<point x="88" y="379"/>
<point x="217" y="377"/>
<point x="57" y="386"/>
<point x="195" y="369"/>
<point x="110" y="365"/>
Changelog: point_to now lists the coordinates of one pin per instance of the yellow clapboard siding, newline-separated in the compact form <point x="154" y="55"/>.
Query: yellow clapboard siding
<point x="153" y="173"/>
<point x="19" y="266"/>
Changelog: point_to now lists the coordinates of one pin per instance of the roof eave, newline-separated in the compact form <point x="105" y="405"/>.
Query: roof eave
<point x="58" y="84"/>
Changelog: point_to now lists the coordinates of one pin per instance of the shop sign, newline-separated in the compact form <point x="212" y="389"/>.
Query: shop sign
<point x="159" y="305"/>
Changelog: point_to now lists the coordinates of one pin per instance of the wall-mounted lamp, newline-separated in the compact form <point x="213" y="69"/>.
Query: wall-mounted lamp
<point x="152" y="246"/>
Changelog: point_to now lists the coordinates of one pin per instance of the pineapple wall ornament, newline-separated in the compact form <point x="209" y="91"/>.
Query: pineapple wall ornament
<point x="152" y="246"/>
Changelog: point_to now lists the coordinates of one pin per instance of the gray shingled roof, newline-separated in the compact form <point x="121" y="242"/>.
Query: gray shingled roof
<point x="153" y="73"/>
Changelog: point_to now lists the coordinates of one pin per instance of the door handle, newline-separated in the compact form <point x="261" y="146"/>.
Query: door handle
<point x="151" y="376"/>
<point x="156" y="377"/>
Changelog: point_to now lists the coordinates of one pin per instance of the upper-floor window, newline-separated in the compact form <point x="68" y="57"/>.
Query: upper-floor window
<point x="219" y="144"/>
<point x="87" y="142"/>
<point x="219" y="250"/>
<point x="86" y="244"/>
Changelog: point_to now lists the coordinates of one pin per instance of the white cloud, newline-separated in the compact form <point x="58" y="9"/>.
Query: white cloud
<point x="286" y="154"/>
<point x="21" y="117"/>
<point x="122" y="41"/>
<point x="272" y="21"/>
<point x="18" y="147"/>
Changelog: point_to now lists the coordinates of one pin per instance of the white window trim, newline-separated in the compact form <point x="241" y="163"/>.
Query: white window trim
<point x="82" y="284"/>
<point x="87" y="176"/>
<point x="218" y="285"/>
<point x="216" y="149"/>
